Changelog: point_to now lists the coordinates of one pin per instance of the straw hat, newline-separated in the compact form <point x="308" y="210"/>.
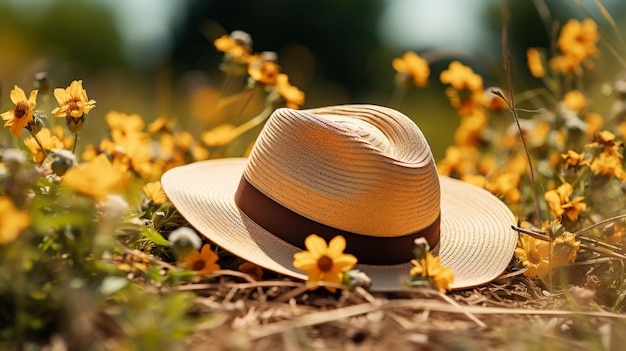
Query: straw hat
<point x="362" y="171"/>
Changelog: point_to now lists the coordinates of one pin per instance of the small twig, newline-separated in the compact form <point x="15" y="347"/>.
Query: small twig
<point x="242" y="286"/>
<point x="512" y="274"/>
<point x="511" y="104"/>
<point x="541" y="235"/>
<point x="601" y="223"/>
<point x="465" y="312"/>
<point x="313" y="319"/>
<point x="441" y="307"/>
<point x="586" y="243"/>
<point x="592" y="262"/>
<point x="321" y="317"/>
<point x="292" y="293"/>
<point x="366" y="295"/>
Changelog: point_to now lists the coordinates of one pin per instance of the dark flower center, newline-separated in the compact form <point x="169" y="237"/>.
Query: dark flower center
<point x="73" y="106"/>
<point x="198" y="265"/>
<point x="534" y="256"/>
<point x="325" y="263"/>
<point x="21" y="109"/>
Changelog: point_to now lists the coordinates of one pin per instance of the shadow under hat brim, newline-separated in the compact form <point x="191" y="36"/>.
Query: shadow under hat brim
<point x="476" y="241"/>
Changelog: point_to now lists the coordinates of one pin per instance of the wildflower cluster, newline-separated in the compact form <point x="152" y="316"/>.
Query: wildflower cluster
<point x="262" y="69"/>
<point x="84" y="211"/>
<point x="575" y="148"/>
<point x="262" y="77"/>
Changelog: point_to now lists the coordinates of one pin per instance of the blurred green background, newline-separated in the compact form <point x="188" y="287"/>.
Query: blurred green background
<point x="152" y="56"/>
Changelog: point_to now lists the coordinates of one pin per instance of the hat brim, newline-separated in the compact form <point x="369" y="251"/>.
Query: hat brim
<point x="476" y="241"/>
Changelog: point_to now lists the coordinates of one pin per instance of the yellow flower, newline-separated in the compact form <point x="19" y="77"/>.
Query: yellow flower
<point x="96" y="179"/>
<point x="183" y="140"/>
<point x="73" y="101"/>
<point x="413" y="66"/>
<point x="561" y="204"/>
<point x="293" y="96"/>
<point x="573" y="159"/>
<point x="466" y="102"/>
<point x="461" y="77"/>
<point x="564" y="64"/>
<point x="534" y="255"/>
<point x="608" y="164"/>
<point x="199" y="153"/>
<point x="160" y="124"/>
<point x="475" y="179"/>
<point x="219" y="136"/>
<point x="203" y="262"/>
<point x="535" y="64"/>
<point x="469" y="132"/>
<point x="18" y="117"/>
<point x="578" y="39"/>
<point x="263" y="69"/>
<point x="155" y="192"/>
<point x="606" y="139"/>
<point x="60" y="133"/>
<point x="505" y="184"/>
<point x="576" y="42"/>
<point x="538" y="136"/>
<point x="575" y="100"/>
<point x="12" y="221"/>
<point x="322" y="262"/>
<point x="49" y="142"/>
<point x="124" y="123"/>
<point x="594" y="124"/>
<point x="236" y="46"/>
<point x="459" y="161"/>
<point x="564" y="249"/>
<point x="129" y="145"/>
<point x="431" y="267"/>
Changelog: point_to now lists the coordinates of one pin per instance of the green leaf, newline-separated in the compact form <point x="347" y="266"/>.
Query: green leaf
<point x="154" y="236"/>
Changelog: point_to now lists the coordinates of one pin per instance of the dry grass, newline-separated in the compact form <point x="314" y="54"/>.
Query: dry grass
<point x="509" y="313"/>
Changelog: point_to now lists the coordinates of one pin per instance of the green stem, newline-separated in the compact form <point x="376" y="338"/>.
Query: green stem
<point x="75" y="142"/>
<point x="225" y="84"/>
<point x="40" y="146"/>
<point x="255" y="121"/>
<point x="398" y="95"/>
<point x="245" y="104"/>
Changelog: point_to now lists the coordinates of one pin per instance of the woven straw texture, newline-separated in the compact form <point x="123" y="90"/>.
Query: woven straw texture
<point x="362" y="169"/>
<point x="329" y="164"/>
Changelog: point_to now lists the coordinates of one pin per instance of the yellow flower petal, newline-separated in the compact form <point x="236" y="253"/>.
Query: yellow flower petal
<point x="336" y="246"/>
<point x="17" y="95"/>
<point x="305" y="260"/>
<point x="12" y="221"/>
<point x="316" y="245"/>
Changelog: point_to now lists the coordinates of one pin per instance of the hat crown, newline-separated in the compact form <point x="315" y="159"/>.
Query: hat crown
<point x="359" y="168"/>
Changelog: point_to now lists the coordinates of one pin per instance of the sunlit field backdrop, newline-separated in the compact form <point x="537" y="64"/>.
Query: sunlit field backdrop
<point x="526" y="99"/>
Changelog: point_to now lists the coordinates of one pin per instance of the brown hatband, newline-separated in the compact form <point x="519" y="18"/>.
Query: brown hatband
<point x="294" y="228"/>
